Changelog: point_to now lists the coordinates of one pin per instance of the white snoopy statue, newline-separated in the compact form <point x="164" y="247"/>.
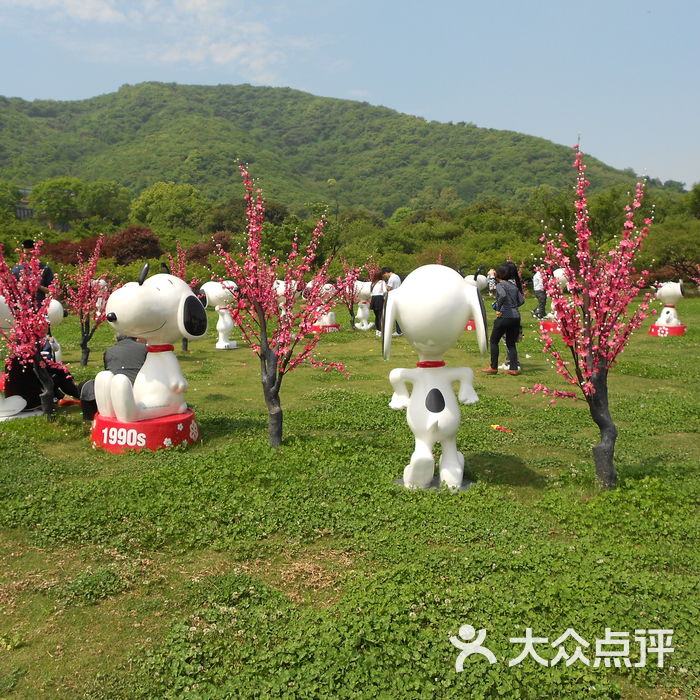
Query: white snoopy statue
<point x="433" y="305"/>
<point x="668" y="323"/>
<point x="363" y="292"/>
<point x="161" y="309"/>
<point x="220" y="295"/>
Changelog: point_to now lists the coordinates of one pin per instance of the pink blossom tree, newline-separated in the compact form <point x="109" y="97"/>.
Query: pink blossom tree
<point x="178" y="267"/>
<point x="85" y="294"/>
<point x="278" y="332"/>
<point x="346" y="288"/>
<point x="593" y="310"/>
<point x="30" y="324"/>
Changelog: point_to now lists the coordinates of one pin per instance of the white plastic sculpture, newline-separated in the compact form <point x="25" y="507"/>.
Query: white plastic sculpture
<point x="327" y="323"/>
<point x="480" y="281"/>
<point x="280" y="289"/>
<point x="562" y="283"/>
<point x="670" y="293"/>
<point x="363" y="291"/>
<point x="668" y="323"/>
<point x="161" y="309"/>
<point x="220" y="295"/>
<point x="55" y="316"/>
<point x="432" y="305"/>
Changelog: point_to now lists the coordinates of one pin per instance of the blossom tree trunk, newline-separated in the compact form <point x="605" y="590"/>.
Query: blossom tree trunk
<point x="604" y="451"/>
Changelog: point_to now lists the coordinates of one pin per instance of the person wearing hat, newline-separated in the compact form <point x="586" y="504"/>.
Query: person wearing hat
<point x="46" y="272"/>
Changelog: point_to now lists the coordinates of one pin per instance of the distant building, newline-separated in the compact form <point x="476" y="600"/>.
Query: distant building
<point x="22" y="209"/>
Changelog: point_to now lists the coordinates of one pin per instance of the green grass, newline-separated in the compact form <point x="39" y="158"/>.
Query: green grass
<point x="233" y="570"/>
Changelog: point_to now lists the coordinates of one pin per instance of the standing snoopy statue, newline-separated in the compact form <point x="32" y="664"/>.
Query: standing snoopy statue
<point x="433" y="305"/>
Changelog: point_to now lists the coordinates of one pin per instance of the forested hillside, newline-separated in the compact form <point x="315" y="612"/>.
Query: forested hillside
<point x="295" y="143"/>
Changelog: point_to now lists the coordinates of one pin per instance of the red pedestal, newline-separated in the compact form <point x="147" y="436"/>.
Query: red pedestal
<point x="471" y="326"/>
<point x="550" y="326"/>
<point x="663" y="331"/>
<point x="116" y="437"/>
<point x="331" y="328"/>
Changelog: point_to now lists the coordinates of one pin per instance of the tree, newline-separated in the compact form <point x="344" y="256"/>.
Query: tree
<point x="30" y="323"/>
<point x="279" y="333"/>
<point x="593" y="315"/>
<point x="86" y="296"/>
<point x="105" y="199"/>
<point x="694" y="201"/>
<point x="9" y="196"/>
<point x="169" y="205"/>
<point x="347" y="291"/>
<point x="56" y="200"/>
<point x="131" y="244"/>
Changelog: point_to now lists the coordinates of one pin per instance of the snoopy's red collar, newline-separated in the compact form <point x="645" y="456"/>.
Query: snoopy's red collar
<point x="160" y="348"/>
<point x="430" y="363"/>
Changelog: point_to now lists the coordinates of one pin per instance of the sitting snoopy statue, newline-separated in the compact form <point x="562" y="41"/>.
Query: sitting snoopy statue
<point x="161" y="309"/>
<point x="433" y="305"/>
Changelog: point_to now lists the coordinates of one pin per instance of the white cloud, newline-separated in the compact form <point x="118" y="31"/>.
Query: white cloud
<point x="226" y="34"/>
<point x="102" y="11"/>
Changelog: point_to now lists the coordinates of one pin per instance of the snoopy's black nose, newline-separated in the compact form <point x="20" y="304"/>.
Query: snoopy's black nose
<point x="111" y="317"/>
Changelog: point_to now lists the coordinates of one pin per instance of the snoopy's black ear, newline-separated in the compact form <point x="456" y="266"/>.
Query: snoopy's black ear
<point x="192" y="319"/>
<point x="144" y="273"/>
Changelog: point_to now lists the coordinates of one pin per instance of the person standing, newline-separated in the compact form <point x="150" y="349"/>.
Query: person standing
<point x="538" y="289"/>
<point x="508" y="299"/>
<point x="376" y="302"/>
<point x="393" y="281"/>
<point x="46" y="272"/>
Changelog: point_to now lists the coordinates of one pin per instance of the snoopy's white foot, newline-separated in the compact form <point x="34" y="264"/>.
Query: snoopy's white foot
<point x="103" y="393"/>
<point x="419" y="473"/>
<point x="452" y="470"/>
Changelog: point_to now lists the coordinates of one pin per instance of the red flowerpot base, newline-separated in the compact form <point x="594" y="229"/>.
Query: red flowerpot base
<point x="550" y="326"/>
<point x="663" y="331"/>
<point x="332" y="328"/>
<point x="117" y="437"/>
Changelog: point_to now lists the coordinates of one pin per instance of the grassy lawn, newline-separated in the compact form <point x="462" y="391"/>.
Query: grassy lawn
<point x="232" y="570"/>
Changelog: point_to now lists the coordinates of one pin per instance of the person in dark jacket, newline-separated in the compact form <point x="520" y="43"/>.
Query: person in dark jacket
<point x="126" y="356"/>
<point x="508" y="299"/>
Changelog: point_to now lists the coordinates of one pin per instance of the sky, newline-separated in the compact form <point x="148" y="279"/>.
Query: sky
<point x="623" y="75"/>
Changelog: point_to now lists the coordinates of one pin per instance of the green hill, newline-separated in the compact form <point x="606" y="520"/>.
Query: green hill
<point x="294" y="142"/>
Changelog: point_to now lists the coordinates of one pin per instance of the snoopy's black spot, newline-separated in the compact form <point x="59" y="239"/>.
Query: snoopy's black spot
<point x="435" y="401"/>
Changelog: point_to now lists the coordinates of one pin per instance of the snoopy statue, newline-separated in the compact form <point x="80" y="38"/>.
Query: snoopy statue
<point x="480" y="282"/>
<point x="550" y="322"/>
<point x="152" y="413"/>
<point x="220" y="295"/>
<point x="433" y="305"/>
<point x="363" y="292"/>
<point x="325" y="323"/>
<point x="668" y="323"/>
